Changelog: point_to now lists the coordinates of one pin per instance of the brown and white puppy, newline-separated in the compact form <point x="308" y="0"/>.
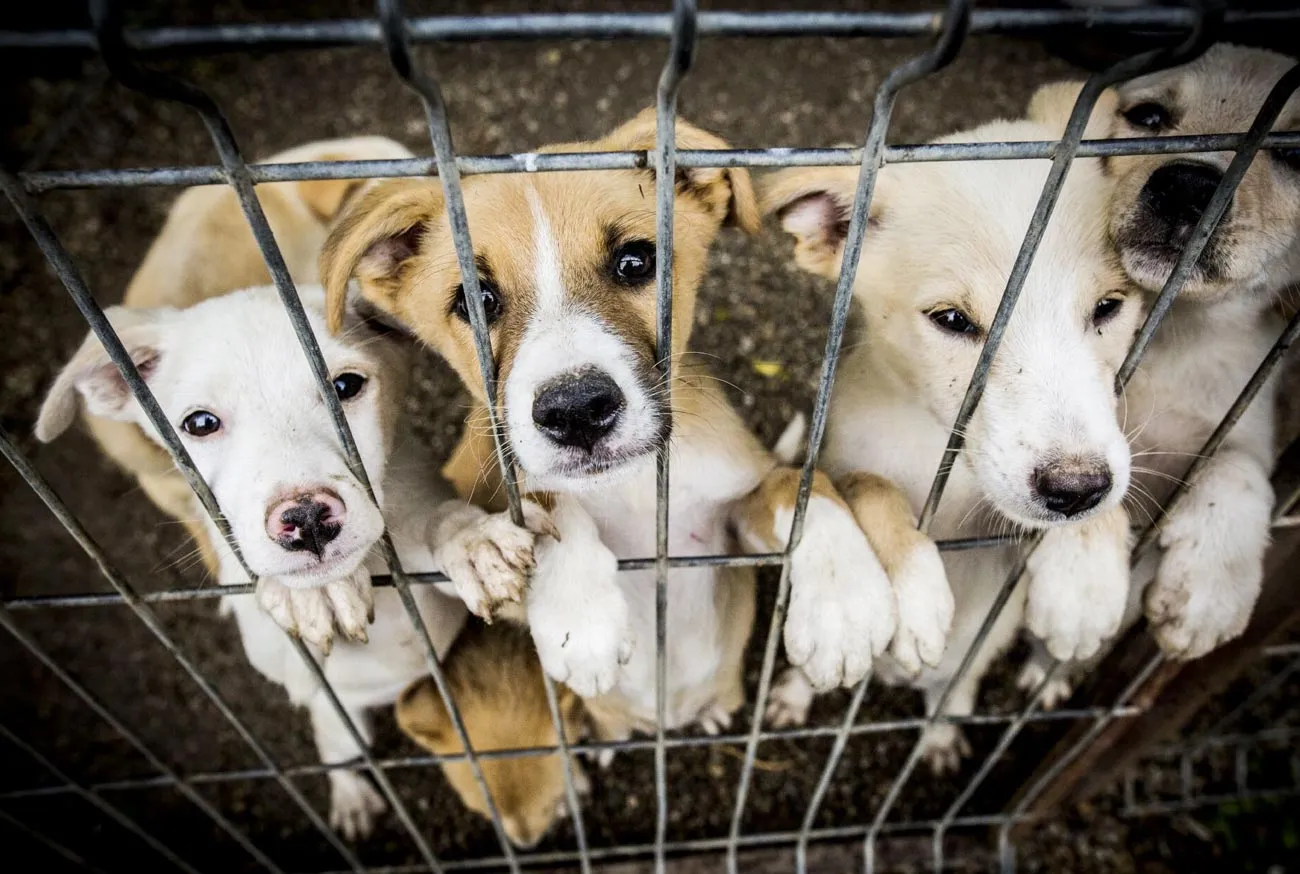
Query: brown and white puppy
<point x="1204" y="584"/>
<point x="206" y="249"/>
<point x="496" y="682"/>
<point x="568" y="266"/>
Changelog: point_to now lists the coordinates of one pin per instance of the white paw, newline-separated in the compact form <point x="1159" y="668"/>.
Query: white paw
<point x="1057" y="691"/>
<point x="604" y="759"/>
<point x="352" y="601"/>
<point x="1078" y="588"/>
<point x="313" y="613"/>
<point x="1199" y="600"/>
<point x="790" y="700"/>
<point x="487" y="557"/>
<point x="354" y="805"/>
<point x="925" y="610"/>
<point x="714" y="719"/>
<point x="943" y="746"/>
<point x="842" y="610"/>
<point x="579" y="615"/>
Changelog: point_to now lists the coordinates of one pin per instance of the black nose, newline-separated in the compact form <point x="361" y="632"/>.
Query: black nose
<point x="1178" y="194"/>
<point x="578" y="409"/>
<point x="1071" y="488"/>
<point x="310" y="526"/>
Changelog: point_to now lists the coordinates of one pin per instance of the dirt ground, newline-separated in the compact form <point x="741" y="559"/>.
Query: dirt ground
<point x="756" y="310"/>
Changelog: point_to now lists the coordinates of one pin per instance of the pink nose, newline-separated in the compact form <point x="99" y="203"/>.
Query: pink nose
<point x="308" y="520"/>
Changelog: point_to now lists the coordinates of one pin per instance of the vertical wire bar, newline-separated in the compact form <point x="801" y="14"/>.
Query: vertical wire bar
<point x="681" y="53"/>
<point x="107" y="24"/>
<point x="952" y="33"/>
<point x="150" y="620"/>
<point x="134" y="740"/>
<point x="49" y="842"/>
<point x="1207" y="20"/>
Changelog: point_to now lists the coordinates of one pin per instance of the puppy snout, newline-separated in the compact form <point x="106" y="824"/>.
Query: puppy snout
<point x="1072" y="487"/>
<point x="578" y="409"/>
<point x="1178" y="193"/>
<point x="308" y="520"/>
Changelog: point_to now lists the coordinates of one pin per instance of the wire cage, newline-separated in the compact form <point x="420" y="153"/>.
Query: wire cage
<point x="937" y="842"/>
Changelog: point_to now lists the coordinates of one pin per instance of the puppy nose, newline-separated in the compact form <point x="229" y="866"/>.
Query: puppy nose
<point x="308" y="520"/>
<point x="578" y="409"/>
<point x="1179" y="192"/>
<point x="1072" y="487"/>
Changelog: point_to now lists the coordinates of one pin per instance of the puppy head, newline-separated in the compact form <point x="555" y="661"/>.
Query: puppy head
<point x="496" y="682"/>
<point x="1160" y="198"/>
<point x="1044" y="444"/>
<point x="567" y="266"/>
<point x="230" y="376"/>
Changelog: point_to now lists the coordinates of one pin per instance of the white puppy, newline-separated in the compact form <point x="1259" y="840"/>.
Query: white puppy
<point x="1044" y="450"/>
<point x="229" y="374"/>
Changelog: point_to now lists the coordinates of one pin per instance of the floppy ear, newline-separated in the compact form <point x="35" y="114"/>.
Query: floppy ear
<point x="375" y="241"/>
<point x="93" y="375"/>
<point x="422" y="716"/>
<point x="728" y="193"/>
<point x="813" y="205"/>
<point x="1052" y="104"/>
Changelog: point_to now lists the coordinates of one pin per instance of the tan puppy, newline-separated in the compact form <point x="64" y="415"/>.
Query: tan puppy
<point x="205" y="249"/>
<point x="1203" y="590"/>
<point x="567" y="262"/>
<point x="496" y="682"/>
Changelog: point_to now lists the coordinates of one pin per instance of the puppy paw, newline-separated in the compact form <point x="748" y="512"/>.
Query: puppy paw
<point x="714" y="719"/>
<point x="488" y="557"/>
<point x="943" y="746"/>
<point x="352" y="601"/>
<point x="790" y="700"/>
<point x="842" y="611"/>
<point x="1200" y="599"/>
<point x="303" y="613"/>
<point x="1078" y="588"/>
<point x="925" y="610"/>
<point x="1057" y="691"/>
<point x="354" y="805"/>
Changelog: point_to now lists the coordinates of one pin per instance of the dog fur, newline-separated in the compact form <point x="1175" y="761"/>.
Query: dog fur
<point x="941" y="239"/>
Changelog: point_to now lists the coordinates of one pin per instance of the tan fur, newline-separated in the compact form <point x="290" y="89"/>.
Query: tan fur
<point x="206" y="249"/>
<point x="885" y="516"/>
<point x="496" y="682"/>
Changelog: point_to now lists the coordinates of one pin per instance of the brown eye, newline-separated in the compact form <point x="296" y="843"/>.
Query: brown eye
<point x="200" y="423"/>
<point x="1106" y="309"/>
<point x="492" y="303"/>
<point x="348" y="385"/>
<point x="633" y="263"/>
<point x="954" y="321"/>
<point x="1149" y="116"/>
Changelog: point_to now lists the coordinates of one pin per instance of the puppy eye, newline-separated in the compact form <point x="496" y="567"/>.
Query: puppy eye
<point x="1290" y="157"/>
<point x="492" y="303"/>
<point x="1149" y="116"/>
<point x="633" y="263"/>
<point x="200" y="423"/>
<point x="348" y="385"/>
<point x="954" y="321"/>
<point x="1106" y="309"/>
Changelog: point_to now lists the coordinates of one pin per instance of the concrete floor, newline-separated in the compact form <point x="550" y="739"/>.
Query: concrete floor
<point x="503" y="97"/>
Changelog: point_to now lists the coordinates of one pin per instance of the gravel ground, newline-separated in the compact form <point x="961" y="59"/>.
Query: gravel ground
<point x="503" y="97"/>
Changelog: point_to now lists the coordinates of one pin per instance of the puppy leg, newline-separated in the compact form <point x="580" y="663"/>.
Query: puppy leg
<point x="354" y="803"/>
<point x="487" y="556"/>
<point x="1035" y="671"/>
<point x="734" y="597"/>
<point x="575" y="608"/>
<point x="1212" y="569"/>
<point x="1078" y="585"/>
<point x="842" y="610"/>
<point x="912" y="561"/>
<point x="943" y="744"/>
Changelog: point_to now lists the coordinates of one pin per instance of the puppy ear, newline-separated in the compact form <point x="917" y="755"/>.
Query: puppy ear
<point x="1052" y="104"/>
<point x="375" y="241"/>
<point x="422" y="716"/>
<point x="326" y="197"/>
<point x="93" y="375"/>
<point x="813" y="205"/>
<point x="727" y="193"/>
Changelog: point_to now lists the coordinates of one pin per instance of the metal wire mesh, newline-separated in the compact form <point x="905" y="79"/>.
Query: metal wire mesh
<point x="682" y="28"/>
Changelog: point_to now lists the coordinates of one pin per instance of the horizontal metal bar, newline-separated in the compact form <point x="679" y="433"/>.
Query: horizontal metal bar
<point x="587" y="749"/>
<point x="323" y="34"/>
<point x="538" y="162"/>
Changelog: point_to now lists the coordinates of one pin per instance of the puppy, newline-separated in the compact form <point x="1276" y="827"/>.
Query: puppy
<point x="567" y="262"/>
<point x="1043" y="451"/>
<point x="496" y="682"/>
<point x="1201" y="590"/>
<point x="206" y="249"/>
<point x="255" y="426"/>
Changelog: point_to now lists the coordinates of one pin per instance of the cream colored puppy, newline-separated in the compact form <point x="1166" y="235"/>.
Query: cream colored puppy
<point x="1044" y="449"/>
<point x="1203" y="588"/>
